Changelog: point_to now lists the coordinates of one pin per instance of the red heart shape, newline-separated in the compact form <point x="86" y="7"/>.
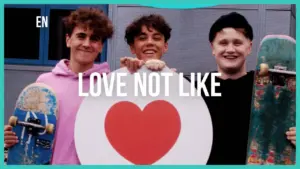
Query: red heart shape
<point x="142" y="137"/>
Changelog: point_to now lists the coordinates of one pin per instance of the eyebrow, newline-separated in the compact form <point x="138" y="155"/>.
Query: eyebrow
<point x="231" y="39"/>
<point x="142" y="33"/>
<point x="80" y="33"/>
<point x="155" y="34"/>
<point x="98" y="37"/>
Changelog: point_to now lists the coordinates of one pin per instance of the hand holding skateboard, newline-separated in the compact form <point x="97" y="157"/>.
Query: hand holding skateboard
<point x="291" y="135"/>
<point x="29" y="135"/>
<point x="10" y="138"/>
<point x="272" y="134"/>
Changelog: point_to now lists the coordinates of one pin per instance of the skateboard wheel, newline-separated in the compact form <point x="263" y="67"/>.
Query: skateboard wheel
<point x="13" y="121"/>
<point x="50" y="128"/>
<point x="264" y="68"/>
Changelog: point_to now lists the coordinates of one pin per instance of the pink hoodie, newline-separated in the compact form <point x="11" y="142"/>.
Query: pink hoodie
<point x="65" y="84"/>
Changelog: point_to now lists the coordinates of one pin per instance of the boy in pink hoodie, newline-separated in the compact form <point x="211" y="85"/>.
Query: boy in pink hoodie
<point x="87" y="29"/>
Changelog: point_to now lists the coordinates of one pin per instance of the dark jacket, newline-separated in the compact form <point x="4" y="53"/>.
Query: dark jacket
<point x="230" y="115"/>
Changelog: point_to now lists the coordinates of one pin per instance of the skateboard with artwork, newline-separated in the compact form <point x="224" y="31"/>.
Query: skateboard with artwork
<point x="34" y="122"/>
<point x="273" y="103"/>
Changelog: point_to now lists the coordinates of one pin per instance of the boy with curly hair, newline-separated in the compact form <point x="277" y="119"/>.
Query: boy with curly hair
<point x="87" y="30"/>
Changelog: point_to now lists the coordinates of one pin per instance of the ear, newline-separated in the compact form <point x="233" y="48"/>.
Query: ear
<point x="212" y="49"/>
<point x="68" y="40"/>
<point x="250" y="48"/>
<point x="132" y="49"/>
<point x="166" y="47"/>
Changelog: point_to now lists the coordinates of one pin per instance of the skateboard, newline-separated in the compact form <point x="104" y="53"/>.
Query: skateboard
<point x="273" y="103"/>
<point x="34" y="122"/>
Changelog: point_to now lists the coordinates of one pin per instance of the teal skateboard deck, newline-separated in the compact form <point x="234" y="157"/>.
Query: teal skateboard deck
<point x="34" y="122"/>
<point x="273" y="103"/>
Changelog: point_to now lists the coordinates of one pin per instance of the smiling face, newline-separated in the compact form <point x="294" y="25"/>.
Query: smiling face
<point x="230" y="48"/>
<point x="84" y="46"/>
<point x="149" y="44"/>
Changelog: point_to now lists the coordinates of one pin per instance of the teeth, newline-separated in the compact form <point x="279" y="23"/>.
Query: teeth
<point x="149" y="52"/>
<point x="230" y="57"/>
